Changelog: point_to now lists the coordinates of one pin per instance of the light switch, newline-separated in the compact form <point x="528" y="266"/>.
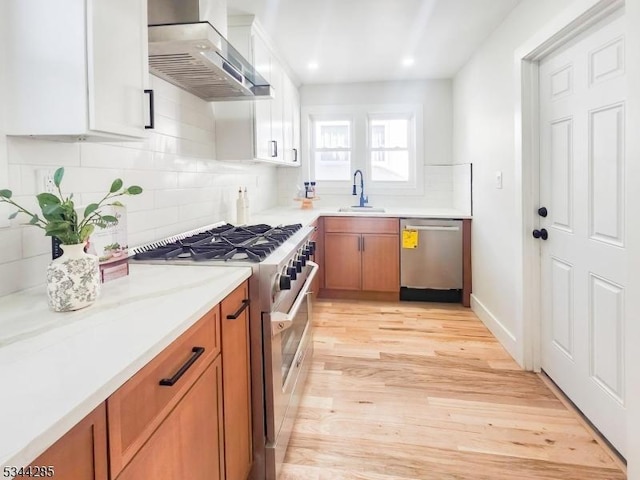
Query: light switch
<point x="498" y="179"/>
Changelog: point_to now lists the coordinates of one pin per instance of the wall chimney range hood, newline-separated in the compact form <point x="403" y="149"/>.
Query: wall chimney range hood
<point x="191" y="54"/>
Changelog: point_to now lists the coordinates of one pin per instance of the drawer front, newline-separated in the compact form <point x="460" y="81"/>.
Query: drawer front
<point x="361" y="225"/>
<point x="137" y="408"/>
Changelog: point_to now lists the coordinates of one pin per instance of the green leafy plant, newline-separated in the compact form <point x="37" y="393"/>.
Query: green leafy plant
<point x="59" y="217"/>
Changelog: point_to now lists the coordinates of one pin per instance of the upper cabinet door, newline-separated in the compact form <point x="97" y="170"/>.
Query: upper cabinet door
<point x="265" y="149"/>
<point x="118" y="66"/>
<point x="78" y="69"/>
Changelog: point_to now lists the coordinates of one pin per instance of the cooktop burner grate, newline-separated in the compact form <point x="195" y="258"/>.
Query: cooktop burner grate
<point x="251" y="243"/>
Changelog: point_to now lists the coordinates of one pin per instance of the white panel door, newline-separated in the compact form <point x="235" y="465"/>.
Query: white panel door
<point x="584" y="260"/>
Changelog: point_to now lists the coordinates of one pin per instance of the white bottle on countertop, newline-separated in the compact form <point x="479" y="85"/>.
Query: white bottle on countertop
<point x="246" y="206"/>
<point x="240" y="210"/>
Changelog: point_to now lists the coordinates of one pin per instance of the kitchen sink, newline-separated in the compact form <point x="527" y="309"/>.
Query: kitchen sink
<point x="362" y="209"/>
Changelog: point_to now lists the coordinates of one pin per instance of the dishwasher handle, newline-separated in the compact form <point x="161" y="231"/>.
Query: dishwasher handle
<point x="441" y="228"/>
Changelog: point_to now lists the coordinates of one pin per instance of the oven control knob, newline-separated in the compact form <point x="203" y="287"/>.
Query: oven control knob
<point x="312" y="248"/>
<point x="308" y="252"/>
<point x="298" y="265"/>
<point x="284" y="282"/>
<point x="303" y="260"/>
<point x="292" y="272"/>
<point x="305" y="253"/>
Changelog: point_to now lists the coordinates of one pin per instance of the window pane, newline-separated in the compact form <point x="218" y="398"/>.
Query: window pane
<point x="389" y="133"/>
<point x="333" y="134"/>
<point x="333" y="165"/>
<point x="390" y="166"/>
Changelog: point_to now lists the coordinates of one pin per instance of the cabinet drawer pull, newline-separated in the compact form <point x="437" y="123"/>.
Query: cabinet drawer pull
<point x="152" y="114"/>
<point x="295" y="154"/>
<point x="169" y="382"/>
<point x="245" y="304"/>
<point x="363" y="244"/>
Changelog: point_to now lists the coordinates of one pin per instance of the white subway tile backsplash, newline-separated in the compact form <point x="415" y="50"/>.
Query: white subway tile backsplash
<point x="15" y="179"/>
<point x="194" y="180"/>
<point x="174" y="163"/>
<point x="85" y="180"/>
<point x="148" y="220"/>
<point x="114" y="156"/>
<point x="34" y="242"/>
<point x="194" y="149"/>
<point x="22" y="274"/>
<point x="151" y="179"/>
<point x="11" y="241"/>
<point x="24" y="150"/>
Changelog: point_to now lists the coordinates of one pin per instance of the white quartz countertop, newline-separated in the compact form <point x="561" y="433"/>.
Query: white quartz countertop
<point x="55" y="368"/>
<point x="293" y="214"/>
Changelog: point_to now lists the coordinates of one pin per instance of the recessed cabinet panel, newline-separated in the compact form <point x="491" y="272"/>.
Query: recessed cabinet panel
<point x="342" y="261"/>
<point x="379" y="254"/>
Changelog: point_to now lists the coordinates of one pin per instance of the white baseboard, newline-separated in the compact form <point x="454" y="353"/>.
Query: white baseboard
<point x="502" y="333"/>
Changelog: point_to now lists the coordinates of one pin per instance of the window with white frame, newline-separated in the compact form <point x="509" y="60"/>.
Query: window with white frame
<point x="380" y="140"/>
<point x="389" y="152"/>
<point x="331" y="145"/>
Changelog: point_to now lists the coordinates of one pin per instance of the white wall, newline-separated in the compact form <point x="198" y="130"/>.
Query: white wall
<point x="184" y="187"/>
<point x="435" y="96"/>
<point x="484" y="134"/>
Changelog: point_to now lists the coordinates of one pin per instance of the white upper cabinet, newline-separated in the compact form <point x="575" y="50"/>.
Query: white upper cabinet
<point x="291" y="123"/>
<point x="78" y="69"/>
<point x="262" y="129"/>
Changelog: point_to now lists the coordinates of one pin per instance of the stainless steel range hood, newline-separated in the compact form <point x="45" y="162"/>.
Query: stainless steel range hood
<point x="190" y="53"/>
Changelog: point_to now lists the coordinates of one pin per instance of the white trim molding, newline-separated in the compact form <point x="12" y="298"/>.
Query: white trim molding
<point x="502" y="333"/>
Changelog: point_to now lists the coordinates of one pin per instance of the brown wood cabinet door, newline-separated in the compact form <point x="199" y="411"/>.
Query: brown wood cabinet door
<point x="380" y="263"/>
<point x="236" y="381"/>
<point x="188" y="444"/>
<point x="81" y="454"/>
<point x="342" y="261"/>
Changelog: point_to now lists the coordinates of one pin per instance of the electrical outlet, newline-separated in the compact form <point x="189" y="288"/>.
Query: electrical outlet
<point x="498" y="179"/>
<point x="44" y="179"/>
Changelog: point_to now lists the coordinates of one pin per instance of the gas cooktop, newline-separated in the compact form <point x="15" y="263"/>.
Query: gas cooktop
<point x="252" y="243"/>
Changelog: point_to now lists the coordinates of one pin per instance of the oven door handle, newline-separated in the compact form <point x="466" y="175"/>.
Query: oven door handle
<point x="280" y="321"/>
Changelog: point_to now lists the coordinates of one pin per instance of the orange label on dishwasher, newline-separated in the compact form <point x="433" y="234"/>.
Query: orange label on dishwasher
<point x="409" y="238"/>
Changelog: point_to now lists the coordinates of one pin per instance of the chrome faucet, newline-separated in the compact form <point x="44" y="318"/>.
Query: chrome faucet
<point x="363" y="199"/>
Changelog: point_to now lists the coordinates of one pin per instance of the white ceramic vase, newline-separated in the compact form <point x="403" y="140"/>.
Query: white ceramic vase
<point x="73" y="279"/>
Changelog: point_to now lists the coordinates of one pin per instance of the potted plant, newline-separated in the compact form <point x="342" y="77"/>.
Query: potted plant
<point x="73" y="280"/>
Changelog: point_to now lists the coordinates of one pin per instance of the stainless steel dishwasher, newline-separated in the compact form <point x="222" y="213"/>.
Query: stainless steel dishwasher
<point x="431" y="260"/>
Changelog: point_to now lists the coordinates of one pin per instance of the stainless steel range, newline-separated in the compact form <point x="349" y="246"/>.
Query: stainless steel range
<point x="280" y="321"/>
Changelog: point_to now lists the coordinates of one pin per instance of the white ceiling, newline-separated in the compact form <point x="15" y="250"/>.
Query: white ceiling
<point x="366" y="40"/>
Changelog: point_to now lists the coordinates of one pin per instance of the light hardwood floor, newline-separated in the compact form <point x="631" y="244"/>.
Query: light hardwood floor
<point x="425" y="392"/>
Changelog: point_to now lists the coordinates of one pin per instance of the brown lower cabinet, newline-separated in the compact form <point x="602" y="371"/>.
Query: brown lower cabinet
<point x="81" y="454"/>
<point x="184" y="415"/>
<point x="236" y="378"/>
<point x="187" y="444"/>
<point x="361" y="255"/>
